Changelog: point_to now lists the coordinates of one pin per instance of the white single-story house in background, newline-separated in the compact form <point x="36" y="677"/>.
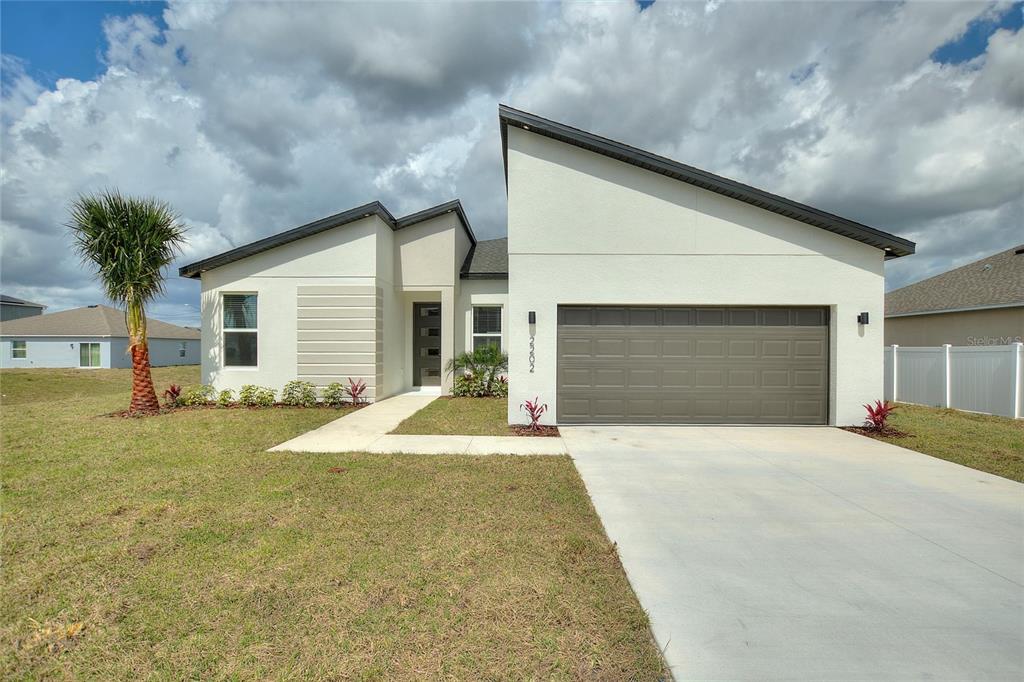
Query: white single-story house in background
<point x="93" y="336"/>
<point x="630" y="289"/>
<point x="12" y="308"/>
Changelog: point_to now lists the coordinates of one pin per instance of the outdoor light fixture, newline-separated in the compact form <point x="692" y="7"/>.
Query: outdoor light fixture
<point x="862" y="318"/>
<point x="532" y="317"/>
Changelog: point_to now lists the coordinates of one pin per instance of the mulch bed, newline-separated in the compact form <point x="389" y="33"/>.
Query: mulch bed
<point x="126" y="414"/>
<point x="874" y="433"/>
<point x="541" y="432"/>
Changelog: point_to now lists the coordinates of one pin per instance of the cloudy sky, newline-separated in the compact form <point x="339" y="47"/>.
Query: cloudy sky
<point x="253" y="118"/>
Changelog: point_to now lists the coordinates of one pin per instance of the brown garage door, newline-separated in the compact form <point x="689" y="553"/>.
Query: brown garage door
<point x="692" y="365"/>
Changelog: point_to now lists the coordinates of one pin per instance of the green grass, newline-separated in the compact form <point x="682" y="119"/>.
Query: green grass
<point x="175" y="547"/>
<point x="459" y="417"/>
<point x="980" y="441"/>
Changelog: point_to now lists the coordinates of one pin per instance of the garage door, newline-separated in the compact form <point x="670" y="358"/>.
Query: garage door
<point x="692" y="365"/>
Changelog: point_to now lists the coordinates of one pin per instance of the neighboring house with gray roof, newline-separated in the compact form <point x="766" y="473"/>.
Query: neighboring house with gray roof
<point x="12" y="308"/>
<point x="978" y="304"/>
<point x="93" y="336"/>
<point x="631" y="289"/>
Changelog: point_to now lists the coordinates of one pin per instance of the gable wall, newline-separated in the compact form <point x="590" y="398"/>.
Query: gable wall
<point x="587" y="229"/>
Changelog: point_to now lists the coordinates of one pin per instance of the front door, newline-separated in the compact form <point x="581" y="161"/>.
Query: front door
<point x="426" y="344"/>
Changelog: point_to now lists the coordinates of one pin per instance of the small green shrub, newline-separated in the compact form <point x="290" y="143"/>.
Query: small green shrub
<point x="299" y="394"/>
<point x="197" y="395"/>
<point x="475" y="386"/>
<point x="334" y="395"/>
<point x="256" y="396"/>
<point x="499" y="389"/>
<point x="226" y="398"/>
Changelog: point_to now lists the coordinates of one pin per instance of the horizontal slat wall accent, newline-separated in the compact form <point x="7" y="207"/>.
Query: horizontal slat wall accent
<point x="340" y="335"/>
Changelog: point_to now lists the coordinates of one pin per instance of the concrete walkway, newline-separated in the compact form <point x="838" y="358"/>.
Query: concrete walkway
<point x="366" y="430"/>
<point x="811" y="553"/>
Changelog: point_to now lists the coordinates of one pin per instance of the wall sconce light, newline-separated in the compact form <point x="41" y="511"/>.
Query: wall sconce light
<point x="532" y="317"/>
<point x="862" y="318"/>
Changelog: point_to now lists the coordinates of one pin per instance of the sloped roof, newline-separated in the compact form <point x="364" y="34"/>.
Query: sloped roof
<point x="996" y="281"/>
<point x="94" y="320"/>
<point x="194" y="270"/>
<point x="12" y="300"/>
<point x="892" y="245"/>
<point x="486" y="260"/>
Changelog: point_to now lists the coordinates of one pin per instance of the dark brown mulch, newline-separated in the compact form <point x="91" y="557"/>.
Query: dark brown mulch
<point x="127" y="414"/>
<point x="540" y="432"/>
<point x="887" y="432"/>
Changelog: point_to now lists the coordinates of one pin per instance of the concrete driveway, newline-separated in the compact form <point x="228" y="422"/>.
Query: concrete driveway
<point x="811" y="553"/>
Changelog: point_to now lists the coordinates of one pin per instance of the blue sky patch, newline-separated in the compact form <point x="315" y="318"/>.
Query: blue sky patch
<point x="64" y="39"/>
<point x="974" y="40"/>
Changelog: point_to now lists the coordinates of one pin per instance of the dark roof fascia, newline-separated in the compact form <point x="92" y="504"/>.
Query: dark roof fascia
<point x="893" y="246"/>
<point x="194" y="270"/>
<point x="483" y="275"/>
<point x="434" y="211"/>
<point x="24" y="304"/>
<point x="968" y="309"/>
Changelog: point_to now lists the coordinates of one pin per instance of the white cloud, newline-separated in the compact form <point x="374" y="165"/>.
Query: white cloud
<point x="252" y="118"/>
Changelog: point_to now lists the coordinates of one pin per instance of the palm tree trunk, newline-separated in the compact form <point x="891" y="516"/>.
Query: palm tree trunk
<point x="143" y="392"/>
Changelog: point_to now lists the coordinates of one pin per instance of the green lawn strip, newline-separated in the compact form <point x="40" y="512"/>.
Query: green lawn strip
<point x="980" y="441"/>
<point x="187" y="551"/>
<point x="459" y="417"/>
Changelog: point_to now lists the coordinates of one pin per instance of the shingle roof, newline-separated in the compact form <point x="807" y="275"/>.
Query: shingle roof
<point x="11" y="300"/>
<point x="329" y="223"/>
<point x="990" y="282"/>
<point x="486" y="260"/>
<point x="892" y="245"/>
<point x="94" y="320"/>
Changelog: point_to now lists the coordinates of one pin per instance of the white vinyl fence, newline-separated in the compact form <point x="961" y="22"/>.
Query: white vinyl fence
<point x="987" y="379"/>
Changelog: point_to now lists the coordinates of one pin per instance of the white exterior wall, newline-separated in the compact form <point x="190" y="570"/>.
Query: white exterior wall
<point x="474" y="292"/>
<point x="586" y="229"/>
<point x="52" y="351"/>
<point x="275" y="276"/>
<point x="162" y="352"/>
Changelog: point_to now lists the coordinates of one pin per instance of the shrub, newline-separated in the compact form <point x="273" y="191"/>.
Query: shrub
<point x="299" y="394"/>
<point x="878" y="414"/>
<point x="172" y="395"/>
<point x="486" y="362"/>
<point x="256" y="396"/>
<point x="535" y="410"/>
<point x="475" y="386"/>
<point x="334" y="394"/>
<point x="355" y="390"/>
<point x="226" y="398"/>
<point x="197" y="395"/>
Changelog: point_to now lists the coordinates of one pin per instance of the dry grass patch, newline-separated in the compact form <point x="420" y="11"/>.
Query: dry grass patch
<point x="176" y="547"/>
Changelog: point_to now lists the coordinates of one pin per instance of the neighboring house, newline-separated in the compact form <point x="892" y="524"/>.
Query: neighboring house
<point x="979" y="304"/>
<point x="12" y="308"/>
<point x="631" y="289"/>
<point x="94" y="336"/>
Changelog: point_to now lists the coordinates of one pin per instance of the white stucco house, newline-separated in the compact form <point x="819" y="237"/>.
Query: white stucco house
<point x="94" y="336"/>
<point x="630" y="289"/>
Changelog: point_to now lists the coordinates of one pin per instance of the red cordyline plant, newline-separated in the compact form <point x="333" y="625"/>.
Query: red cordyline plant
<point x="535" y="410"/>
<point x="878" y="414"/>
<point x="355" y="390"/>
<point x="172" y="394"/>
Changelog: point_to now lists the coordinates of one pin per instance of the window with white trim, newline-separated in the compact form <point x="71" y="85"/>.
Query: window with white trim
<point x="240" y="330"/>
<point x="486" y="326"/>
<point x="183" y="349"/>
<point x="19" y="349"/>
<point x="88" y="355"/>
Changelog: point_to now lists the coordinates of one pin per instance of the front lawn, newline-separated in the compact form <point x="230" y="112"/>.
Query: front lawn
<point x="175" y="547"/>
<point x="459" y="417"/>
<point x="980" y="441"/>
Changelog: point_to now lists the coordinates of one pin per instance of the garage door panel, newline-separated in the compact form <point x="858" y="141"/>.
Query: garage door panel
<point x="624" y="364"/>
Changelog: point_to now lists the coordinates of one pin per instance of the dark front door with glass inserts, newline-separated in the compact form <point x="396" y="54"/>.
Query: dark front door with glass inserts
<point x="426" y="344"/>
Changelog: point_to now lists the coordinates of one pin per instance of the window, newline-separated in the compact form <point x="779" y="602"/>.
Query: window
<point x="486" y="326"/>
<point x="19" y="349"/>
<point x="182" y="349"/>
<point x="88" y="355"/>
<point x="240" y="335"/>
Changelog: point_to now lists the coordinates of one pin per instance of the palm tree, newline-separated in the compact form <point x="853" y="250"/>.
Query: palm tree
<point x="485" y="362"/>
<point x="130" y="240"/>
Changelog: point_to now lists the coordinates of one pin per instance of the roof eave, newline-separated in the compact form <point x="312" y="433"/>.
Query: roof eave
<point x="893" y="246"/>
<point x="966" y="309"/>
